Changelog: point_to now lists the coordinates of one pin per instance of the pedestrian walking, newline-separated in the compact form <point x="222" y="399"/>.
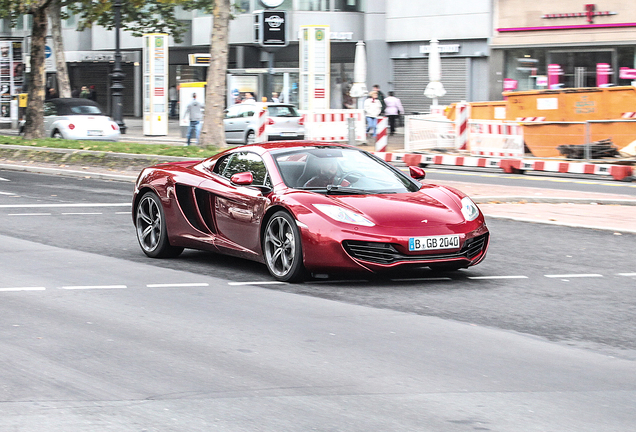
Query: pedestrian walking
<point x="194" y="111"/>
<point x="275" y="97"/>
<point x="393" y="109"/>
<point x="249" y="97"/>
<point x="372" y="110"/>
<point x="172" y="97"/>
<point x="376" y="88"/>
<point x="92" y="93"/>
<point x="85" y="93"/>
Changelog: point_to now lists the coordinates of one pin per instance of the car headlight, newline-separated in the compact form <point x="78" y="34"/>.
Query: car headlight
<point x="469" y="209"/>
<point x="341" y="214"/>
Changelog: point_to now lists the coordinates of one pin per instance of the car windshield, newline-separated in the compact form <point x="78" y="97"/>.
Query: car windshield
<point x="84" y="109"/>
<point x="340" y="170"/>
<point x="282" y="111"/>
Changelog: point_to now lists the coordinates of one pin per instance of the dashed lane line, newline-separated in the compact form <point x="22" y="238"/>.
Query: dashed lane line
<point x="584" y="275"/>
<point x="89" y="287"/>
<point x="29" y="214"/>
<point x="177" y="285"/>
<point x="82" y="213"/>
<point x="22" y="289"/>
<point x="497" y="277"/>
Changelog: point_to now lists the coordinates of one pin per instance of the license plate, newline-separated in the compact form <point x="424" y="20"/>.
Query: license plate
<point x="434" y="242"/>
<point x="288" y="134"/>
<point x="94" y="133"/>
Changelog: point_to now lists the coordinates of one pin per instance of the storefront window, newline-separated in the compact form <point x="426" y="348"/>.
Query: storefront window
<point x="313" y="5"/>
<point x="525" y="70"/>
<point x="349" y="5"/>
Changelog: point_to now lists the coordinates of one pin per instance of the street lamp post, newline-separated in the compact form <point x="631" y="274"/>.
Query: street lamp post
<point x="117" y="76"/>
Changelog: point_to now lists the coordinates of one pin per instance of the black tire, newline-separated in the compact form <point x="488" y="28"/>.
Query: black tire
<point x="282" y="248"/>
<point x="151" y="228"/>
<point x="57" y="134"/>
<point x="250" y="137"/>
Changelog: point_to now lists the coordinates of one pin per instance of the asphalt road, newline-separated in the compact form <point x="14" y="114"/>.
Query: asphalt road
<point x="96" y="336"/>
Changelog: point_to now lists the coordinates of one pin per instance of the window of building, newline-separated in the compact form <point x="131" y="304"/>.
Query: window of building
<point x="313" y="5"/>
<point x="349" y="5"/>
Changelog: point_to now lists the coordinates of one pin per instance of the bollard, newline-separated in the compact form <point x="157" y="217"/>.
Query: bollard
<point x="351" y="128"/>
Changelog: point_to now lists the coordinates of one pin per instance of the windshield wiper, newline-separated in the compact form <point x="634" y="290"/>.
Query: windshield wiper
<point x="344" y="190"/>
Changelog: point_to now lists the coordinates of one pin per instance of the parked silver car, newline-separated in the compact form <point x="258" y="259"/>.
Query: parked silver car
<point x="283" y="122"/>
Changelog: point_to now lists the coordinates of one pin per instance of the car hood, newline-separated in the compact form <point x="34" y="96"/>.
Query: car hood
<point x="430" y="205"/>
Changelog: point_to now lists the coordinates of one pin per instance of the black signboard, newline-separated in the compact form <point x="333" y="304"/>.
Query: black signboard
<point x="272" y="28"/>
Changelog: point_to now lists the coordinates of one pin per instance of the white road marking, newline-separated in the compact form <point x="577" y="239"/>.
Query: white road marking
<point x="497" y="277"/>
<point x="88" y="287"/>
<point x="29" y="214"/>
<point x="627" y="274"/>
<point x="7" y="193"/>
<point x="126" y="213"/>
<point x="72" y="214"/>
<point x="422" y="279"/>
<point x="23" y="289"/>
<point x="4" y="179"/>
<point x="256" y="283"/>
<point x="68" y="205"/>
<point x="589" y="275"/>
<point x="178" y="285"/>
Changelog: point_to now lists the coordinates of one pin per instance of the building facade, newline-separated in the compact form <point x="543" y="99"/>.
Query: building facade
<point x="545" y="45"/>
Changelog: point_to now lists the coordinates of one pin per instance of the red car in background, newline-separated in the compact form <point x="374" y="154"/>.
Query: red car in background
<point x="307" y="207"/>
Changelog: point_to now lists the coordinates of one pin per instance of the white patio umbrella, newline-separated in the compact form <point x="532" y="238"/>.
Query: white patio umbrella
<point x="359" y="87"/>
<point x="435" y="88"/>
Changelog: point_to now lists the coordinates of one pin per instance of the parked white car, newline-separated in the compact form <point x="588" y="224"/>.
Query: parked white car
<point x="283" y="122"/>
<point x="77" y="119"/>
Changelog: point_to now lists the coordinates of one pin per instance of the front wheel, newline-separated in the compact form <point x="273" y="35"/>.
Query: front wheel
<point x="151" y="228"/>
<point x="282" y="248"/>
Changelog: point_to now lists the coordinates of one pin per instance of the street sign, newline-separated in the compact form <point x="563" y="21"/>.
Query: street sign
<point x="627" y="73"/>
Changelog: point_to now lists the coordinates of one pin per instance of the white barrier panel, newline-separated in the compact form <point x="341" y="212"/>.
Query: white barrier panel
<point x="333" y="125"/>
<point x="423" y="132"/>
<point x="381" y="135"/>
<point x="495" y="138"/>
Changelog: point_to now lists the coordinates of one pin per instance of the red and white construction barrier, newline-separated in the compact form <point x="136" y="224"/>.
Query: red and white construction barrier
<point x="333" y="125"/>
<point x="261" y="136"/>
<point x="462" y="115"/>
<point x="513" y="166"/>
<point x="495" y="138"/>
<point x="629" y="115"/>
<point x="530" y="119"/>
<point x="381" y="136"/>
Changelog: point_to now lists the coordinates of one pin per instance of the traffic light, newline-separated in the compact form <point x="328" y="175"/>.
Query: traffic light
<point x="270" y="28"/>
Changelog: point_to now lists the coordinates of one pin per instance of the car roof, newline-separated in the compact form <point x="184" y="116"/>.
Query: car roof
<point x="63" y="105"/>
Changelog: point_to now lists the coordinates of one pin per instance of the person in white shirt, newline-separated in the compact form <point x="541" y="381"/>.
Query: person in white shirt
<point x="195" y="111"/>
<point x="372" y="109"/>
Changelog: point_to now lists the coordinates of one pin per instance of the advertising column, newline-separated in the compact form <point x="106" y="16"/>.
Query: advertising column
<point x="11" y="81"/>
<point x="155" y="52"/>
<point x="315" y="67"/>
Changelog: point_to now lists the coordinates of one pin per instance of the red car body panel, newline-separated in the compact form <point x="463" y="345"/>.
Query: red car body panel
<point x="204" y="210"/>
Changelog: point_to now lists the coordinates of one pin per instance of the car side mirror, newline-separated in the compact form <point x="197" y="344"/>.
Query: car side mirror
<point x="417" y="173"/>
<point x="242" y="178"/>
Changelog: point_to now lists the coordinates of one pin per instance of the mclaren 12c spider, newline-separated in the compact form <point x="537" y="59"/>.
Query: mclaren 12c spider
<point x="305" y="208"/>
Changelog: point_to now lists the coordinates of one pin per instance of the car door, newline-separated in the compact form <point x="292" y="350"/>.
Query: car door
<point x="233" y="133"/>
<point x="50" y="116"/>
<point x="239" y="209"/>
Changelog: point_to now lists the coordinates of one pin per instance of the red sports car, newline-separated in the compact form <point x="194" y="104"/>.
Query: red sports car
<point x="307" y="207"/>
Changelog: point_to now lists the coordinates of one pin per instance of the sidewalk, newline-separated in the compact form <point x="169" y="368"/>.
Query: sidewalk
<point x="615" y="212"/>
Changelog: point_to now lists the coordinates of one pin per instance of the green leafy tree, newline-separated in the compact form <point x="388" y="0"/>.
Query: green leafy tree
<point x="138" y="17"/>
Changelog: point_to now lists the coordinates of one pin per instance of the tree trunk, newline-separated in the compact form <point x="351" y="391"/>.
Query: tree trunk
<point x="63" y="83"/>
<point x="34" y="115"/>
<point x="213" y="132"/>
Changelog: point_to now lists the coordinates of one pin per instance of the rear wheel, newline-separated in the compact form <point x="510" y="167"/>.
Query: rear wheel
<point x="57" y="134"/>
<point x="282" y="248"/>
<point x="151" y="228"/>
<point x="250" y="138"/>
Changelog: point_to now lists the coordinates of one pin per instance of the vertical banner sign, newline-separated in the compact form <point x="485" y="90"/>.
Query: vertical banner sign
<point x="155" y="56"/>
<point x="315" y="67"/>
